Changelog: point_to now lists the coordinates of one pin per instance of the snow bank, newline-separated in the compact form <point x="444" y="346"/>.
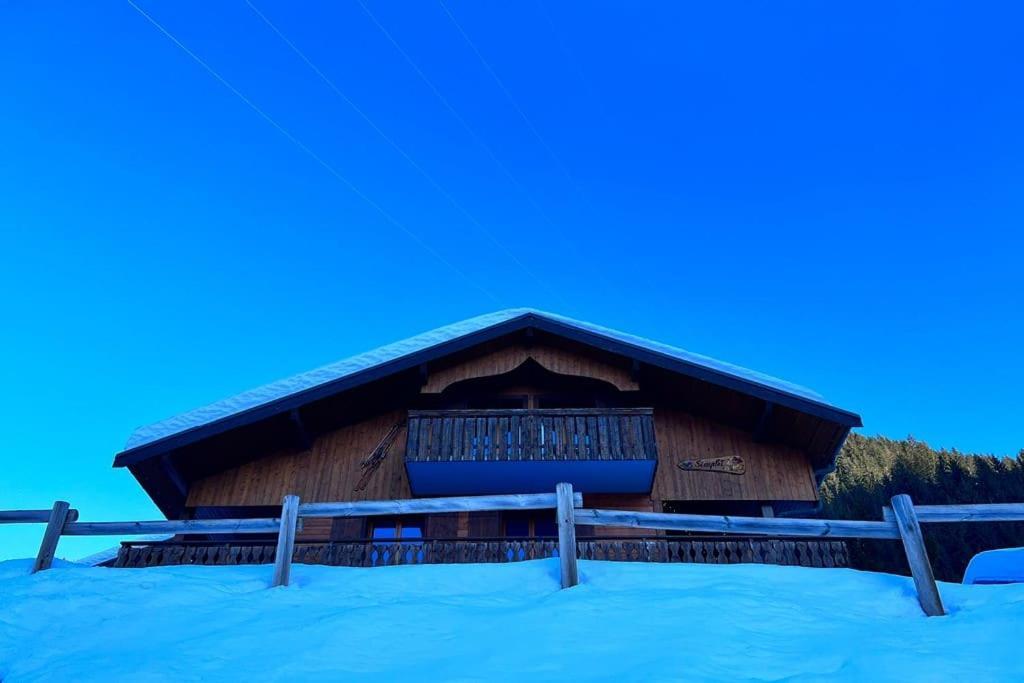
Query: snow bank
<point x="625" y="622"/>
<point x="996" y="566"/>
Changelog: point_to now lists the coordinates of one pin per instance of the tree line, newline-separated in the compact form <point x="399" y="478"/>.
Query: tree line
<point x="872" y="469"/>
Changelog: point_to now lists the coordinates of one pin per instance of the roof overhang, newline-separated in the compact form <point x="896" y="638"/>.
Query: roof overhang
<point x="527" y="320"/>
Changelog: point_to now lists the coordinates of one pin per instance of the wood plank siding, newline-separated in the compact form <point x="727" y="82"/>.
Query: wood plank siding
<point x="332" y="468"/>
<point x="329" y="471"/>
<point x="508" y="359"/>
<point x="773" y="471"/>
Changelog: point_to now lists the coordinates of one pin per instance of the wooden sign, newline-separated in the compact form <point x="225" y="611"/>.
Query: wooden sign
<point x="726" y="464"/>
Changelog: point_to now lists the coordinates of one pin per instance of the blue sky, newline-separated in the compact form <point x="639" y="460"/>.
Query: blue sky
<point x="832" y="195"/>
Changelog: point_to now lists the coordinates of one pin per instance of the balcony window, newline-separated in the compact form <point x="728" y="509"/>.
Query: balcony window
<point x="535" y="525"/>
<point x="396" y="529"/>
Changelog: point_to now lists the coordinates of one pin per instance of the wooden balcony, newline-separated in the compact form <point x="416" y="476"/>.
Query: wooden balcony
<point x="551" y="434"/>
<point x="475" y="452"/>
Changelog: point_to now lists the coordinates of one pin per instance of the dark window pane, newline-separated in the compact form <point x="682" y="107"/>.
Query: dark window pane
<point x="517" y="527"/>
<point x="545" y="527"/>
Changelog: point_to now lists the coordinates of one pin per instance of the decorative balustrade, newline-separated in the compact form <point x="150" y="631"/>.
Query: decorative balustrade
<point x="544" y="434"/>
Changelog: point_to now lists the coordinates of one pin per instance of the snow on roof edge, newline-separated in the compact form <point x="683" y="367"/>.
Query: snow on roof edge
<point x="288" y="386"/>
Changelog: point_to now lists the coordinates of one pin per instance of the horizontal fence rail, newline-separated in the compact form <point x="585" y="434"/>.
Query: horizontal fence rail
<point x="30" y="516"/>
<point x="761" y="526"/>
<point x="419" y="506"/>
<point x="937" y="514"/>
<point x="173" y="526"/>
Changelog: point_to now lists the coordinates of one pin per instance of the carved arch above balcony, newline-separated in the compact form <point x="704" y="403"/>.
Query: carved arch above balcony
<point x="550" y="358"/>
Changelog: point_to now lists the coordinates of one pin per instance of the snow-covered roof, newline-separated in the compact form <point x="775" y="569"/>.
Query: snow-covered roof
<point x="275" y="391"/>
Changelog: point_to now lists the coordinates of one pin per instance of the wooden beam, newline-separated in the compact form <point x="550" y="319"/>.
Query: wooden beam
<point x="938" y="514"/>
<point x="286" y="541"/>
<point x="761" y="526"/>
<point x="566" y="535"/>
<point x="174" y="475"/>
<point x="31" y="516"/>
<point x="917" y="556"/>
<point x="634" y="370"/>
<point x="419" y="506"/>
<point x="173" y="526"/>
<point x="761" y="428"/>
<point x="54" y="527"/>
<point x="301" y="434"/>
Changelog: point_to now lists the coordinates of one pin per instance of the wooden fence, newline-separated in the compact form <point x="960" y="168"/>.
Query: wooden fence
<point x="901" y="521"/>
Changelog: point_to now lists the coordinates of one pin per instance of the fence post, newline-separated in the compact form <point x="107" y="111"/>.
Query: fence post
<point x="566" y="535"/>
<point x="917" y="556"/>
<point x="286" y="540"/>
<point x="54" y="527"/>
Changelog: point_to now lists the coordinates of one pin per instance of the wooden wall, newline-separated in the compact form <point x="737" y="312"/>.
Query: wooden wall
<point x="773" y="471"/>
<point x="329" y="471"/>
<point x="508" y="359"/>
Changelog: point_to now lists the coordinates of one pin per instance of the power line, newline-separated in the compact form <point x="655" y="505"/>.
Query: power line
<point x="412" y="162"/>
<point x="558" y="231"/>
<point x="508" y="94"/>
<point x="298" y="143"/>
<point x="458" y="117"/>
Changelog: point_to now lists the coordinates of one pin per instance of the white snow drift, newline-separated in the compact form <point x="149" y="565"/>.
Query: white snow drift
<point x="625" y="622"/>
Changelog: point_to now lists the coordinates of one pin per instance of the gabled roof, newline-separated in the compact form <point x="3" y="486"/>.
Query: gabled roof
<point x="286" y="394"/>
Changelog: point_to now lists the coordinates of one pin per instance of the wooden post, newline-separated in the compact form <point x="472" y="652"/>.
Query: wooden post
<point x="54" y="528"/>
<point x="286" y="540"/>
<point x="566" y="535"/>
<point x="917" y="556"/>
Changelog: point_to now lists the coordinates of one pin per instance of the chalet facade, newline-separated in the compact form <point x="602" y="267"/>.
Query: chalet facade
<point x="510" y="402"/>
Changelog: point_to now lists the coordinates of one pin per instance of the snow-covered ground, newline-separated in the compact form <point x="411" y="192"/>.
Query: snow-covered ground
<point x="625" y="622"/>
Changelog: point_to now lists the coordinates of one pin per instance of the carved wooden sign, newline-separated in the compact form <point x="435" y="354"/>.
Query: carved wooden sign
<point x="732" y="464"/>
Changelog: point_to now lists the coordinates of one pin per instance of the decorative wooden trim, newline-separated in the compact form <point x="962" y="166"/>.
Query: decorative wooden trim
<point x="506" y="360"/>
<point x="729" y="464"/>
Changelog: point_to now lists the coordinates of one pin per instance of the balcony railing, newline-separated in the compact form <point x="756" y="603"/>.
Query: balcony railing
<point x="523" y="435"/>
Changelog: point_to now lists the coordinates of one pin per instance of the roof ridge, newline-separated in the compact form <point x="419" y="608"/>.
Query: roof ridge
<point x="294" y="384"/>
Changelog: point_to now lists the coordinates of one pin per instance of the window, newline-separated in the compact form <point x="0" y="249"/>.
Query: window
<point x="396" y="529"/>
<point x="530" y="525"/>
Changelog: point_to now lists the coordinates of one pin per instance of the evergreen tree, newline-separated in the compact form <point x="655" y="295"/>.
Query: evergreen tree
<point x="870" y="470"/>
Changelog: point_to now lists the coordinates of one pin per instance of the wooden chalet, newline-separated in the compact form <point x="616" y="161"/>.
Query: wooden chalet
<point x="510" y="402"/>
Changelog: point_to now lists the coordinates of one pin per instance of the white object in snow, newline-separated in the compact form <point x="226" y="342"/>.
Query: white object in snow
<point x="996" y="566"/>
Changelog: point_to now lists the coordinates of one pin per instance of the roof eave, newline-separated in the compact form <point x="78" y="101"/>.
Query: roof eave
<point x="803" y="404"/>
